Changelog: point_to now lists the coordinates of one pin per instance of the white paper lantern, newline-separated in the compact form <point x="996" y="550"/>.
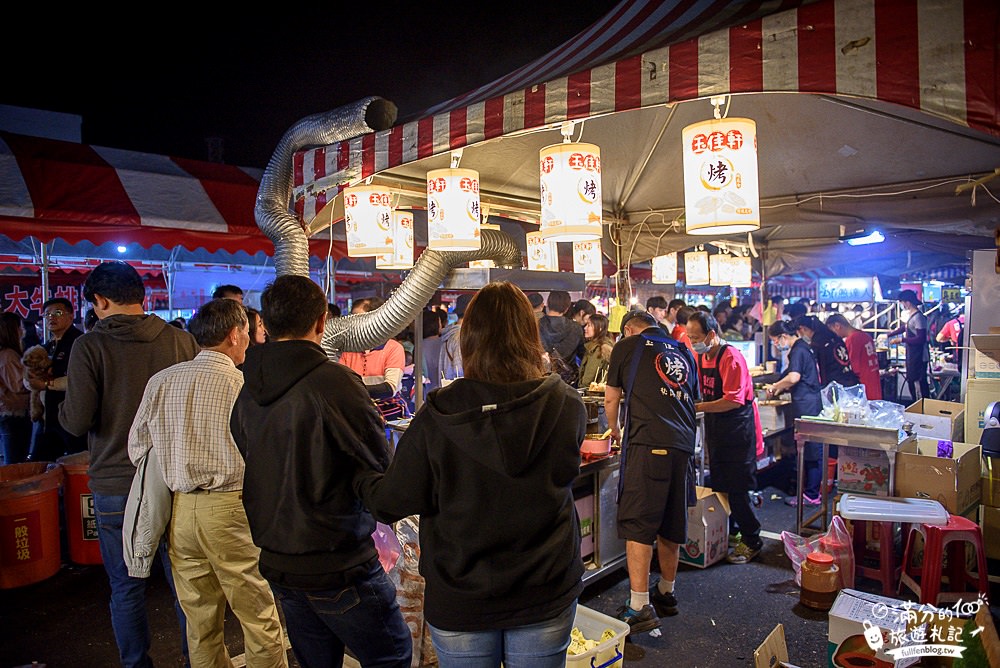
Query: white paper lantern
<point x="720" y="270"/>
<point x="696" y="268"/>
<point x="742" y="272"/>
<point x="543" y="253"/>
<point x="368" y="219"/>
<point x="720" y="177"/>
<point x="402" y="243"/>
<point x="665" y="269"/>
<point x="587" y="260"/>
<point x="453" y="214"/>
<point x="570" y="180"/>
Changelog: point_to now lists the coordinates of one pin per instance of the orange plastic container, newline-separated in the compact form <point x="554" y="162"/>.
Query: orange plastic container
<point x="78" y="501"/>
<point x="29" y="523"/>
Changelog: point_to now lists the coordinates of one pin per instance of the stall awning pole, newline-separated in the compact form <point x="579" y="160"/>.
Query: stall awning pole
<point x="45" y="286"/>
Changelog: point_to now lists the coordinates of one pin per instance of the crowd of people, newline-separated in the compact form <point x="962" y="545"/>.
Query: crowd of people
<point x="232" y="449"/>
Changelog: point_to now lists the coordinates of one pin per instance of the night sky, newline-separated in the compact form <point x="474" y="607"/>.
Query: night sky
<point x="168" y="82"/>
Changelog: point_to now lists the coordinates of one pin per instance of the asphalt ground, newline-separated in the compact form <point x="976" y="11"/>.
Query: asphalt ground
<point x="726" y="611"/>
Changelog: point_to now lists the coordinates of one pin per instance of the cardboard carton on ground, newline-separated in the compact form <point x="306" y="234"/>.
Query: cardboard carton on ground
<point x="937" y="419"/>
<point x="979" y="393"/>
<point x="863" y="471"/>
<point x="773" y="652"/>
<point x="953" y="481"/>
<point x="855" y="612"/>
<point x="708" y="529"/>
<point x="985" y="366"/>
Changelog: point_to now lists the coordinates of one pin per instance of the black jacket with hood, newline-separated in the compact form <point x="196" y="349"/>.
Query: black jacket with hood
<point x="564" y="335"/>
<point x="489" y="468"/>
<point x="305" y="427"/>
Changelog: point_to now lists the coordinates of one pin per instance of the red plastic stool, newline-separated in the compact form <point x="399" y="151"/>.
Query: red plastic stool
<point x="954" y="537"/>
<point x="887" y="571"/>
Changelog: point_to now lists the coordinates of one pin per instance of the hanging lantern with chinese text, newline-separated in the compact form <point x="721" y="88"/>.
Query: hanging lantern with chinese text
<point x="665" y="269"/>
<point x="587" y="260"/>
<point x="720" y="177"/>
<point x="402" y="243"/>
<point x="453" y="213"/>
<point x="570" y="180"/>
<point x="720" y="269"/>
<point x="542" y="253"/>
<point x="742" y="272"/>
<point x="696" y="268"/>
<point x="368" y="219"/>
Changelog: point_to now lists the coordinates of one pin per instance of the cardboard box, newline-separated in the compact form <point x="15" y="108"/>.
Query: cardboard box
<point x="953" y="481"/>
<point x="937" y="419"/>
<point x="708" y="529"/>
<point x="984" y="366"/>
<point x="773" y="652"/>
<point x="863" y="471"/>
<point x="989" y="520"/>
<point x="979" y="393"/>
<point x="854" y="611"/>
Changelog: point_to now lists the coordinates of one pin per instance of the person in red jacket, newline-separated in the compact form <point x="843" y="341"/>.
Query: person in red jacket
<point x="861" y="352"/>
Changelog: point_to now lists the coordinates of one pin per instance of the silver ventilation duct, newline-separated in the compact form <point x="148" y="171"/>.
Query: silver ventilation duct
<point x="361" y="331"/>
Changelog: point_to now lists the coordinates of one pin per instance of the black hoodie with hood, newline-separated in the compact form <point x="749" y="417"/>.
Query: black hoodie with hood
<point x="305" y="427"/>
<point x="489" y="468"/>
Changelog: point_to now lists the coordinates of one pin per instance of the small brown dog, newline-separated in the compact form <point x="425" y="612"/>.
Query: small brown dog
<point x="37" y="366"/>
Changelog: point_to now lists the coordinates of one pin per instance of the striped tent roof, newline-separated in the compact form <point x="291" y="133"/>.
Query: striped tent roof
<point x="912" y="73"/>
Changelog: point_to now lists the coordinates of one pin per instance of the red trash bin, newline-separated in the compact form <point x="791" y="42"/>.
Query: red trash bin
<point x="78" y="500"/>
<point x="29" y="523"/>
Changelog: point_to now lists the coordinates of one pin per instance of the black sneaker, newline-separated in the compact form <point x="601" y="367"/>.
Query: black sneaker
<point x="641" y="621"/>
<point x="664" y="604"/>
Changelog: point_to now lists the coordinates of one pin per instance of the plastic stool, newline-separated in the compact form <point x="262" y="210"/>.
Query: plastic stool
<point x="954" y="537"/>
<point x="887" y="570"/>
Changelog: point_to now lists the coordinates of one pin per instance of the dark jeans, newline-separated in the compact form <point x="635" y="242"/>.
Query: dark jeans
<point x="364" y="616"/>
<point x="743" y="517"/>
<point x="128" y="594"/>
<point x="15" y="436"/>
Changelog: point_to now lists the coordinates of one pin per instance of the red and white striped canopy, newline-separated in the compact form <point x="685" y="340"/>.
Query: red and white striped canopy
<point x="910" y="72"/>
<point x="54" y="189"/>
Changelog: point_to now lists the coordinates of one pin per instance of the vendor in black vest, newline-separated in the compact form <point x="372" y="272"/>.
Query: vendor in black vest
<point x="801" y="379"/>
<point x="732" y="429"/>
<point x="829" y="349"/>
<point x="55" y="441"/>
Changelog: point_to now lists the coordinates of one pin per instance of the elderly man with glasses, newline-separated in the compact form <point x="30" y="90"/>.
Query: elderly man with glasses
<point x="55" y="441"/>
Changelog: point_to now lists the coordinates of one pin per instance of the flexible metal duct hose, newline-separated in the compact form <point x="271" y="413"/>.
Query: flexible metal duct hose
<point x="291" y="244"/>
<point x="363" y="331"/>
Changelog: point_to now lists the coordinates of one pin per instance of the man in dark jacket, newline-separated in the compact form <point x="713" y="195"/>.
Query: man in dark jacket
<point x="562" y="337"/>
<point x="306" y="428"/>
<point x="107" y="375"/>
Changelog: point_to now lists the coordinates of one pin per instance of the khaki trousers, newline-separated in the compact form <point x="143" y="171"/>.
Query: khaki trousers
<point x="214" y="561"/>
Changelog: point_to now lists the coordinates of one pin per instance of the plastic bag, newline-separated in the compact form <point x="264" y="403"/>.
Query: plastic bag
<point x="845" y="404"/>
<point x="836" y="541"/>
<point x="387" y="545"/>
<point x="885" y="414"/>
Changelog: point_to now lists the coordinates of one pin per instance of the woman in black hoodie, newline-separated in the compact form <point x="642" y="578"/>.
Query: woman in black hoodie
<point x="488" y="463"/>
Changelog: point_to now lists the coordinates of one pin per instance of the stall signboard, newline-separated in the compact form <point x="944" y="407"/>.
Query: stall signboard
<point x="22" y="294"/>
<point x="833" y="290"/>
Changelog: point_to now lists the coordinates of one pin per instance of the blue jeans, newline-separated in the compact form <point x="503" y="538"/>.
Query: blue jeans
<point x="364" y="616"/>
<point x="541" y="645"/>
<point x="15" y="437"/>
<point x="128" y="594"/>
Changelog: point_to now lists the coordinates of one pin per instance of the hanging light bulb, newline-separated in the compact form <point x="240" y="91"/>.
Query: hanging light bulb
<point x="696" y="268"/>
<point x="453" y="214"/>
<point x="368" y="219"/>
<point x="587" y="260"/>
<point x="543" y="253"/>
<point x="720" y="175"/>
<point x="402" y="243"/>
<point x="570" y="180"/>
<point x="665" y="269"/>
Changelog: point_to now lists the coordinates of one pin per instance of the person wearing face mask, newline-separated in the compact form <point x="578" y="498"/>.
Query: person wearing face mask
<point x="801" y="379"/>
<point x="829" y="349"/>
<point x="913" y="334"/>
<point x="732" y="429"/>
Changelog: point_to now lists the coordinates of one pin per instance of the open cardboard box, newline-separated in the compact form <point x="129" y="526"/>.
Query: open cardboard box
<point x="988" y="344"/>
<point x="953" y="481"/>
<point x="937" y="419"/>
<point x="708" y="529"/>
<point x="773" y="652"/>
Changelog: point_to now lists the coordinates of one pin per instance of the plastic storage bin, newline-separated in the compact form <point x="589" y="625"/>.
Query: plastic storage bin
<point x="892" y="509"/>
<point x="608" y="654"/>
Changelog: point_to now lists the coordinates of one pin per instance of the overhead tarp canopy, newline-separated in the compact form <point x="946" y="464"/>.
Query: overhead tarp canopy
<point x="869" y="113"/>
<point x="53" y="189"/>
